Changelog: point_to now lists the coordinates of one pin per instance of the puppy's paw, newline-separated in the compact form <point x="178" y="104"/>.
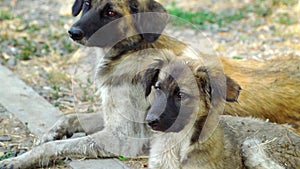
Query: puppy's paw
<point x="256" y="157"/>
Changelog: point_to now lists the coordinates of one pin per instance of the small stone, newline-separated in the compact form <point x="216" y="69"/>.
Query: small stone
<point x="11" y="61"/>
<point x="272" y="27"/>
<point x="13" y="50"/>
<point x="70" y="99"/>
<point x="224" y="29"/>
<point x="47" y="88"/>
<point x="5" y="138"/>
<point x="278" y="39"/>
<point x="6" y="56"/>
<point x="21" y="152"/>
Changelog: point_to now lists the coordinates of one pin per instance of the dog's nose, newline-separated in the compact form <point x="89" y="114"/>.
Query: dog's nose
<point x="76" y="33"/>
<point x="152" y="121"/>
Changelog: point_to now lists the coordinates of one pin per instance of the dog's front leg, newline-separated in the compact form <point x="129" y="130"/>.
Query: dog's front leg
<point x="45" y="154"/>
<point x="69" y="124"/>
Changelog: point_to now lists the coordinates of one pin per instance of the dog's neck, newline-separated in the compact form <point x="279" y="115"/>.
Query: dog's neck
<point x="188" y="151"/>
<point x="211" y="148"/>
<point x="166" y="42"/>
<point x="136" y="43"/>
<point x="125" y="46"/>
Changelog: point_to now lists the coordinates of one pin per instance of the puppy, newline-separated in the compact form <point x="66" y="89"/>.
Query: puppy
<point x="186" y="96"/>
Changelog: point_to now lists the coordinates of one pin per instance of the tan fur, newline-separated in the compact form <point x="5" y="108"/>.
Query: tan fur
<point x="270" y="89"/>
<point x="236" y="142"/>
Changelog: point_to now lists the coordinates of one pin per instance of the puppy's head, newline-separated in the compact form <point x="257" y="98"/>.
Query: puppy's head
<point x="181" y="94"/>
<point x="105" y="22"/>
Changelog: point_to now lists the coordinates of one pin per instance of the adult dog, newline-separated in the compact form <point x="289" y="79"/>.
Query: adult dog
<point x="185" y="95"/>
<point x="130" y="33"/>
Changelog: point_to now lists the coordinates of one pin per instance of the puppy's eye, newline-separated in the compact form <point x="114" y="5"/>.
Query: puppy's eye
<point x="181" y="95"/>
<point x="111" y="13"/>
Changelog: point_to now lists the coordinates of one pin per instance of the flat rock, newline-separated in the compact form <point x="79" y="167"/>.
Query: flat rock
<point x="26" y="104"/>
<point x="5" y="138"/>
<point x="99" y="164"/>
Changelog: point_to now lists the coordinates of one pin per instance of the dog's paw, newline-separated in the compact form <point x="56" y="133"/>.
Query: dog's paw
<point x="49" y="136"/>
<point x="60" y="129"/>
<point x="10" y="163"/>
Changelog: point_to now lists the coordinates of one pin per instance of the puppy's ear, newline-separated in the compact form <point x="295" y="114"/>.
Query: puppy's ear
<point x="150" y="19"/>
<point x="233" y="90"/>
<point x="149" y="79"/>
<point x="232" y="87"/>
<point x="202" y="79"/>
<point x="77" y="6"/>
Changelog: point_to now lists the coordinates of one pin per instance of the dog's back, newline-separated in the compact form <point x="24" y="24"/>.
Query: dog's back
<point x="270" y="89"/>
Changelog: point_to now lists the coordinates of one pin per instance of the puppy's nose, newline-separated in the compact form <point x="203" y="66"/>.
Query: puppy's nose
<point x="152" y="121"/>
<point x="76" y="33"/>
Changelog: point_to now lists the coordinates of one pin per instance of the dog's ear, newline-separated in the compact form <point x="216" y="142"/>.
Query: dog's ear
<point x="233" y="90"/>
<point x="202" y="79"/>
<point x="149" y="79"/>
<point x="150" y="19"/>
<point x="77" y="7"/>
<point x="204" y="83"/>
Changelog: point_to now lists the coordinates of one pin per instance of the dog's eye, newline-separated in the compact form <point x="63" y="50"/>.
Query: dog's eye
<point x="179" y="95"/>
<point x="87" y="3"/>
<point x="111" y="13"/>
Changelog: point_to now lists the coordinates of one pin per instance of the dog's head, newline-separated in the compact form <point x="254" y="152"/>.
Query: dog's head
<point x="103" y="23"/>
<point x="181" y="91"/>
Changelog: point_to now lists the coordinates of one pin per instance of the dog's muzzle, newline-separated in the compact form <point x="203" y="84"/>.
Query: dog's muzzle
<point x="76" y="33"/>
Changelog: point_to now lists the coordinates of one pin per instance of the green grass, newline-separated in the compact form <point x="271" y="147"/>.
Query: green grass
<point x="282" y="2"/>
<point x="262" y="8"/>
<point x="121" y="158"/>
<point x="7" y="155"/>
<point x="55" y="92"/>
<point x="206" y="17"/>
<point x="5" y="15"/>
<point x="237" y="58"/>
<point x="32" y="28"/>
<point x="285" y="19"/>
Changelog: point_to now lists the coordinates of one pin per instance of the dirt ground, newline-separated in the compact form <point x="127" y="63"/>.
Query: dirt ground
<point x="35" y="46"/>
